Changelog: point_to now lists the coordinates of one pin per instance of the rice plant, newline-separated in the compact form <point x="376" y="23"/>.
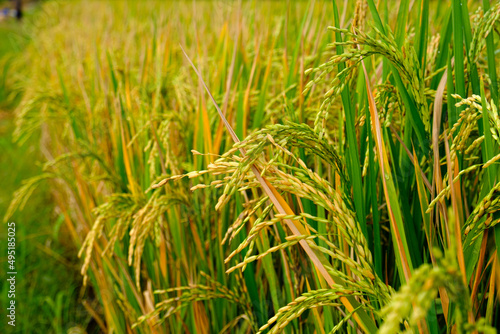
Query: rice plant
<point x="273" y="166"/>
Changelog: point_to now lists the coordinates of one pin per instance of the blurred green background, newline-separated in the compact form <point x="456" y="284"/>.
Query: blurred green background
<point x="48" y="282"/>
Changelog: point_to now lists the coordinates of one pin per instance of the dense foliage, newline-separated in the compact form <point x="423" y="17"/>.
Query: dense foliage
<point x="340" y="178"/>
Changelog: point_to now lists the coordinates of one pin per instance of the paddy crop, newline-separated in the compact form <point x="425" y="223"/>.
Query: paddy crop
<point x="272" y="166"/>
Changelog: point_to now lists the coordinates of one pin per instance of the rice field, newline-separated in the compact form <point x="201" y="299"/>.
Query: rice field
<point x="255" y="166"/>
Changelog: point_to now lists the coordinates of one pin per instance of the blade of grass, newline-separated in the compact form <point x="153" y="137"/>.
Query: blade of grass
<point x="352" y="151"/>
<point x="454" y="200"/>
<point x="488" y="154"/>
<point x="408" y="101"/>
<point x="377" y="244"/>
<point x="490" y="49"/>
<point x="458" y="52"/>
<point x="421" y="46"/>
<point x="397" y="226"/>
